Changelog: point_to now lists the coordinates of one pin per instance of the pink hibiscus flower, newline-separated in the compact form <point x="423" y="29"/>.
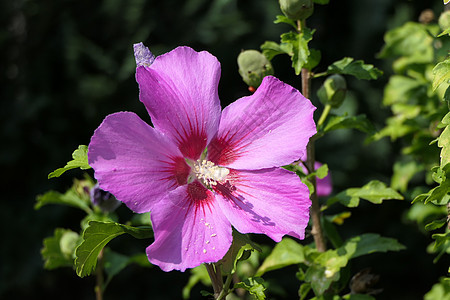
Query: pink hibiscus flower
<point x="200" y="171"/>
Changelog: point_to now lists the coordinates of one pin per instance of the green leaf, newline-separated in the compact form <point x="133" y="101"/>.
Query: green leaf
<point x="285" y="253"/>
<point x="240" y="249"/>
<point x="411" y="43"/>
<point x="284" y="19"/>
<point x="198" y="274"/>
<point x="70" y="198"/>
<point x="359" y="122"/>
<point x="299" y="47"/>
<point x="439" y="291"/>
<point x="254" y="285"/>
<point x="369" y="243"/>
<point x="358" y="68"/>
<point x="95" y="238"/>
<point x="444" y="143"/>
<point x="445" y="32"/>
<point x="403" y="173"/>
<point x="375" y="192"/>
<point x="436" y="224"/>
<point x="441" y="239"/>
<point x="58" y="250"/>
<point x="358" y="297"/>
<point x="80" y="160"/>
<point x="315" y="275"/>
<point x="441" y="73"/>
<point x="271" y="49"/>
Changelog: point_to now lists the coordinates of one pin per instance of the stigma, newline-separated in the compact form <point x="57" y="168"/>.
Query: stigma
<point x="208" y="173"/>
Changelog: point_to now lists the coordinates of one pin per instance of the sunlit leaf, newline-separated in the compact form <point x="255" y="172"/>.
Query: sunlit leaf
<point x="436" y="224"/>
<point x="285" y="253"/>
<point x="358" y="68"/>
<point x="80" y="160"/>
<point x="359" y="122"/>
<point x="240" y="249"/>
<point x="284" y="19"/>
<point x="375" y="192"/>
<point x="441" y="73"/>
<point x="254" y="285"/>
<point x="439" y="291"/>
<point x="95" y="238"/>
<point x="369" y="243"/>
<point x="70" y="198"/>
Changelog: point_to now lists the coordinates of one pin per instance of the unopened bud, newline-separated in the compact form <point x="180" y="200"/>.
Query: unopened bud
<point x="297" y="9"/>
<point x="444" y="20"/>
<point x="333" y="91"/>
<point x="68" y="242"/>
<point x="253" y="67"/>
<point x="103" y="199"/>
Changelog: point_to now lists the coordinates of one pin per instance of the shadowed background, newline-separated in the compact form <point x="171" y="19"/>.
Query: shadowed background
<point x="66" y="64"/>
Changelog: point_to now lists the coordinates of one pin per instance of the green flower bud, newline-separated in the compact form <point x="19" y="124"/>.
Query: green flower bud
<point x="68" y="243"/>
<point x="253" y="67"/>
<point x="333" y="91"/>
<point x="297" y="9"/>
<point x="444" y="20"/>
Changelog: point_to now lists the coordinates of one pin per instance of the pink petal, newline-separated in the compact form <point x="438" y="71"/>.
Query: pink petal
<point x="179" y="91"/>
<point x="189" y="229"/>
<point x="135" y="162"/>
<point x="273" y="202"/>
<point x="268" y="129"/>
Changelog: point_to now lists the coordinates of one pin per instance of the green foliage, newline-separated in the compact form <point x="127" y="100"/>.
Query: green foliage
<point x="95" y="238"/>
<point x="441" y="73"/>
<point x="198" y="274"/>
<point x="444" y="141"/>
<point x="254" y="285"/>
<point x="359" y="122"/>
<point x="440" y="291"/>
<point x="375" y="192"/>
<point x="74" y="197"/>
<point x="59" y="250"/>
<point x="80" y="160"/>
<point x="240" y="249"/>
<point x="348" y="66"/>
<point x="285" y="253"/>
<point x="294" y="44"/>
<point x="412" y="43"/>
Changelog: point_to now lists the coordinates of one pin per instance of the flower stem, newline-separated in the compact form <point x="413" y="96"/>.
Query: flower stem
<point x="216" y="279"/>
<point x="324" y="115"/>
<point x="316" y="231"/>
<point x="99" y="275"/>
<point x="226" y="288"/>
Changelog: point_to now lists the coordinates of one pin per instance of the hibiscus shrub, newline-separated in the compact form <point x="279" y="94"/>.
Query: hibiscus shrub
<point x="206" y="183"/>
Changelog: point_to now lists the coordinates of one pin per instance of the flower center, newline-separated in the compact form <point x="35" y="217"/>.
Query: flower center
<point x="208" y="173"/>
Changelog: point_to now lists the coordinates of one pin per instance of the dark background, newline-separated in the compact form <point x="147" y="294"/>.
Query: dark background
<point x="66" y="64"/>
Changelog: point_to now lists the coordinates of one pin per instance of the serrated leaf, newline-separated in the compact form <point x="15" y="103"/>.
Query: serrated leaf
<point x="359" y="122"/>
<point x="285" y="253"/>
<point x="375" y="192"/>
<point x="95" y="238"/>
<point x="315" y="275"/>
<point x="58" y="249"/>
<point x="70" y="198"/>
<point x="439" y="291"/>
<point x="358" y="68"/>
<point x="284" y="19"/>
<point x="299" y="45"/>
<point x="271" y="49"/>
<point x="240" y="249"/>
<point x="304" y="289"/>
<point x="441" y="73"/>
<point x="80" y="160"/>
<point x="254" y="285"/>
